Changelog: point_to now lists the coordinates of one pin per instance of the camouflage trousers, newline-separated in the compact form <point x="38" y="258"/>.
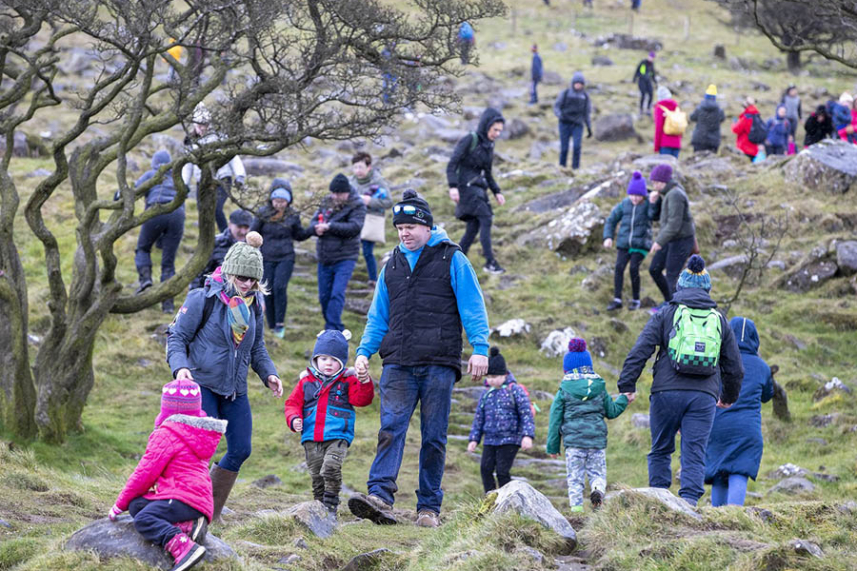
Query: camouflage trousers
<point x="581" y="463"/>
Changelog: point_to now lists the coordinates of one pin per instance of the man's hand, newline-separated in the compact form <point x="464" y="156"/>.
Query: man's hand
<point x="361" y="365"/>
<point x="453" y="195"/>
<point x="183" y="374"/>
<point x="471" y="446"/>
<point x="654" y="196"/>
<point x="526" y="443"/>
<point x="655" y="248"/>
<point x="321" y="228"/>
<point x="721" y="404"/>
<point x="366" y="199"/>
<point x="608" y="243"/>
<point x="477" y="366"/>
<point x="276" y="385"/>
<point x="501" y="200"/>
<point x="631" y="397"/>
<point x="298" y="424"/>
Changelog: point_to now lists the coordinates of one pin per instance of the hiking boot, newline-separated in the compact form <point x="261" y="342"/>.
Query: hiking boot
<point x="221" y="484"/>
<point x="634" y="305"/>
<point x="494" y="268"/>
<point x="331" y="502"/>
<point x="615" y="304"/>
<point x="196" y="529"/>
<point x="372" y="508"/>
<point x="168" y="306"/>
<point x="145" y="274"/>
<point x="185" y="552"/>
<point x="596" y="498"/>
<point x="428" y="518"/>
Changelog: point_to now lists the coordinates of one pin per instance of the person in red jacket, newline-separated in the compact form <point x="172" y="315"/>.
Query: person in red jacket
<point x="665" y="144"/>
<point x="321" y="408"/>
<point x="742" y="127"/>
<point x="169" y="494"/>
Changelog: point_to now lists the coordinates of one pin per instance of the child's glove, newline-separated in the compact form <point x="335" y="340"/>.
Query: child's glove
<point x="298" y="424"/>
<point x="113" y="513"/>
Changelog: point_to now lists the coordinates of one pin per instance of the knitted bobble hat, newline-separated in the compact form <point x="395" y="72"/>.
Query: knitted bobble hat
<point x="695" y="275"/>
<point x="637" y="184"/>
<point x="180" y="396"/>
<point x="413" y="209"/>
<point x="661" y="173"/>
<point x="496" y="363"/>
<point x="577" y="355"/>
<point x="340" y="184"/>
<point x="244" y="258"/>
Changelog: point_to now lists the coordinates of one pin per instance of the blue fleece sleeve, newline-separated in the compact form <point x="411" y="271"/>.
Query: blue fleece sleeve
<point x="377" y="320"/>
<point x="471" y="304"/>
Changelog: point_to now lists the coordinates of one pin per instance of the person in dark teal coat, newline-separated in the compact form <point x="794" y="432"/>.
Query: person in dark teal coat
<point x="735" y="445"/>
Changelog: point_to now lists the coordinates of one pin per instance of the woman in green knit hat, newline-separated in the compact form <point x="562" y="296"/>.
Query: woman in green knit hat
<point x="216" y="335"/>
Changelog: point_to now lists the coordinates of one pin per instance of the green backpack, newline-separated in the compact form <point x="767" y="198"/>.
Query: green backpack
<point x="694" y="346"/>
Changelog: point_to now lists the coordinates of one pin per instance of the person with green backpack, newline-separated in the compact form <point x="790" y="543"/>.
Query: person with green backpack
<point x="698" y="369"/>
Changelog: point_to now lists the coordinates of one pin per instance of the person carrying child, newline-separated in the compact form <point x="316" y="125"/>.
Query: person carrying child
<point x="577" y="418"/>
<point x="169" y="495"/>
<point x="321" y="408"/>
<point x="634" y="215"/>
<point x="505" y="419"/>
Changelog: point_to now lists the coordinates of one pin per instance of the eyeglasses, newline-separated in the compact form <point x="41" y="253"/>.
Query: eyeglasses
<point x="244" y="279"/>
<point x="408" y="209"/>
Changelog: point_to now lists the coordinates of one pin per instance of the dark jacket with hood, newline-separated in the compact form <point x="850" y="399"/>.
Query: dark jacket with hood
<point x="469" y="169"/>
<point x="162" y="192"/>
<point x="817" y="130"/>
<point x="222" y="243"/>
<point x="708" y="116"/>
<point x="645" y="71"/>
<point x="278" y="234"/>
<point x="537" y="70"/>
<point x="779" y="129"/>
<point x="572" y="106"/>
<point x="635" y="224"/>
<point x="724" y="384"/>
<point x="503" y="416"/>
<point x="735" y="445"/>
<point x="342" y="240"/>
<point x="676" y="219"/>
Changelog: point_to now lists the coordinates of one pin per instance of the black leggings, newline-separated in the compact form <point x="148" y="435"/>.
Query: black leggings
<point x="646" y="92"/>
<point x="672" y="257"/>
<point x="480" y="225"/>
<point x="500" y="458"/>
<point x="622" y="259"/>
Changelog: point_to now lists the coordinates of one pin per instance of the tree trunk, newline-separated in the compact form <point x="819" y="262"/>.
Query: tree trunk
<point x="793" y="62"/>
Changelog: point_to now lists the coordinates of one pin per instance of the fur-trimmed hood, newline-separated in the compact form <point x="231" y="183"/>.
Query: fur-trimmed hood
<point x="200" y="434"/>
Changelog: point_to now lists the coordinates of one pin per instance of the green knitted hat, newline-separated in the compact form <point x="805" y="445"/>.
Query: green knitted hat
<point x="244" y="258"/>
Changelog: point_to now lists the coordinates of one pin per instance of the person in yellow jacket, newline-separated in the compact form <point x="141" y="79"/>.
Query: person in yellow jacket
<point x="175" y="51"/>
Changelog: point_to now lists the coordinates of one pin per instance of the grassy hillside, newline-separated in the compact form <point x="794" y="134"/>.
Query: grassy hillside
<point x="48" y="492"/>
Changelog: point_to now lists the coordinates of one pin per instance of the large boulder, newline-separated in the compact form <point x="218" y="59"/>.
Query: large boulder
<point x="810" y="275"/>
<point x="615" y="127"/>
<point x="662" y="495"/>
<point x="830" y="165"/>
<point x="526" y="501"/>
<point x="119" y="539"/>
<point x="574" y="232"/>
<point x="846" y="257"/>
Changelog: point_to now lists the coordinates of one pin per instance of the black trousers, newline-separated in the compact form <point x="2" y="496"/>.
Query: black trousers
<point x="646" y="93"/>
<point x="480" y="225"/>
<point x="700" y="148"/>
<point x="499" y="458"/>
<point x="155" y="519"/>
<point x="672" y="257"/>
<point x="623" y="256"/>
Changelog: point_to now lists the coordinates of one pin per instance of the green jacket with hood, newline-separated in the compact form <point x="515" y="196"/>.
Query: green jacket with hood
<point x="578" y="412"/>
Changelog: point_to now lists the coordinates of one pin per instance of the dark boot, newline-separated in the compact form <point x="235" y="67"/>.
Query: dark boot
<point x="145" y="274"/>
<point x="331" y="502"/>
<point x="184" y="551"/>
<point x="168" y="306"/>
<point x="372" y="508"/>
<point x="221" y="484"/>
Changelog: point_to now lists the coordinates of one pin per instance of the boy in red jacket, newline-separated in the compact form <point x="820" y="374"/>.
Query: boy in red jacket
<point x="169" y="494"/>
<point x="321" y="408"/>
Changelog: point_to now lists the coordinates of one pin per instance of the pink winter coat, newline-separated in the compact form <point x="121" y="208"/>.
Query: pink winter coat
<point x="175" y="465"/>
<point x="661" y="138"/>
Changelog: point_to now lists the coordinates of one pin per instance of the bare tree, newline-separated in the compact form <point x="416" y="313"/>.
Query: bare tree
<point x="292" y="69"/>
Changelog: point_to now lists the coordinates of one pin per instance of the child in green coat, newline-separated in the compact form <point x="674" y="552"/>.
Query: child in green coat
<point x="577" y="418"/>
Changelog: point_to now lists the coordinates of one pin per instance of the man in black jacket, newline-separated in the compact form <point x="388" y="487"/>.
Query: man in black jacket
<point x="236" y="231"/>
<point x="337" y="223"/>
<point x="644" y="77"/>
<point x="681" y="400"/>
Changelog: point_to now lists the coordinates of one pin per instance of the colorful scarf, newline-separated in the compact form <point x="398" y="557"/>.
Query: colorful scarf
<point x="238" y="310"/>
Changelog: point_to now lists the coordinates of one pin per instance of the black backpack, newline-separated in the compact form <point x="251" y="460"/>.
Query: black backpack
<point x="758" y="130"/>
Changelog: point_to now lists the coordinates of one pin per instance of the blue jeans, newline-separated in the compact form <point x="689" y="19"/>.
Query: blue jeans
<point x="155" y="519"/>
<point x="670" y="151"/>
<point x="369" y="256"/>
<point x="575" y="132"/>
<point x="239" y="431"/>
<point x="401" y="388"/>
<point x="731" y="491"/>
<point x="693" y="413"/>
<point x="166" y="230"/>
<point x="277" y="276"/>
<point x="332" y="281"/>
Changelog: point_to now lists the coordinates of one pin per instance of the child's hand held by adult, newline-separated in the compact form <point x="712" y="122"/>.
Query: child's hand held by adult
<point x="526" y="443"/>
<point x="471" y="446"/>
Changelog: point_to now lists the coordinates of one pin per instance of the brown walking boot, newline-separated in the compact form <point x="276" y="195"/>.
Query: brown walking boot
<point x="372" y="508"/>
<point x="221" y="484"/>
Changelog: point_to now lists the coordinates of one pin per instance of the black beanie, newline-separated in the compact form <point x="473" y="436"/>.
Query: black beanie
<point x="340" y="184"/>
<point x="496" y="362"/>
<point x="412" y="210"/>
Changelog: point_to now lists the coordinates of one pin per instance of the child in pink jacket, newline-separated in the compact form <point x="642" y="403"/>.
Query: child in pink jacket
<point x="169" y="494"/>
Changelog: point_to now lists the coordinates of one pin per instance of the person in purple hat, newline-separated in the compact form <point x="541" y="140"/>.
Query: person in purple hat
<point x="644" y="77"/>
<point x="634" y="215"/>
<point x="676" y="240"/>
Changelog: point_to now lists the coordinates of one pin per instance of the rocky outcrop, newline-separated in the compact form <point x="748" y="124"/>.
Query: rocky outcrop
<point x="793" y="486"/>
<point x="846" y="257"/>
<point x="512" y="328"/>
<point x="665" y="497"/>
<point x="574" y="232"/>
<point x="556" y="343"/>
<point x="615" y="127"/>
<point x="521" y="498"/>
<point x="830" y="165"/>
<point x="314" y="516"/>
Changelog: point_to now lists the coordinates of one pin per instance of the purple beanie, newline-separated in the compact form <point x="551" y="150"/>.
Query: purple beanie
<point x="652" y="55"/>
<point x="661" y="173"/>
<point x="637" y="184"/>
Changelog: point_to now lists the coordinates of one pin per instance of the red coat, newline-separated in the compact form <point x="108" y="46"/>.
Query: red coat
<point x="661" y="138"/>
<point x="175" y="464"/>
<point x="742" y="129"/>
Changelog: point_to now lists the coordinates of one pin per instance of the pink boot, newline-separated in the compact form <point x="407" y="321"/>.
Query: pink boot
<point x="185" y="552"/>
<point x="195" y="529"/>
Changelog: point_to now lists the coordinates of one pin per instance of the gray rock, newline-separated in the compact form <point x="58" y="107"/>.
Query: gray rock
<point x="832" y="386"/>
<point x="594" y="280"/>
<point x="119" y="539"/>
<point x="574" y="232"/>
<point x="615" y="127"/>
<point x="358" y="306"/>
<point x="732" y="266"/>
<point x="810" y="275"/>
<point x="39" y="173"/>
<point x="556" y="343"/>
<point x="526" y="501"/>
<point x="268" y="481"/>
<point x="823" y="420"/>
<point x="300" y="543"/>
<point x="788" y="471"/>
<point x="830" y="165"/>
<point x="553" y="202"/>
<point x="314" y="516"/>
<point x="5" y="524"/>
<point x="366" y="561"/>
<point x="449" y="135"/>
<point x="515" y="129"/>
<point x="474" y="393"/>
<point x="512" y="328"/>
<point x="649" y="162"/>
<point x="552" y="78"/>
<point x="767" y="516"/>
<point x="792" y="486"/>
<point x="848" y="507"/>
<point x="289" y="559"/>
<point x="628" y="42"/>
<point x="601" y="61"/>
<point x="640" y="420"/>
<point x="663" y="496"/>
<point x="533" y="554"/>
<point x="804" y="547"/>
<point x="846" y="257"/>
<point x="268" y="166"/>
<point x="618" y="325"/>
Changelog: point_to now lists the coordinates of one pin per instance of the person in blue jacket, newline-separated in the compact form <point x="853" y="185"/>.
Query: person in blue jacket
<point x="779" y="133"/>
<point x="735" y="445"/>
<point x="425" y="294"/>
<point x="536" y="72"/>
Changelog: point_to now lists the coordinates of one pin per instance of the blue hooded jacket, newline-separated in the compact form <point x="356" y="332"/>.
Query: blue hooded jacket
<point x="164" y="191"/>
<point x="735" y="445"/>
<point x="503" y="416"/>
<point x="779" y="129"/>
